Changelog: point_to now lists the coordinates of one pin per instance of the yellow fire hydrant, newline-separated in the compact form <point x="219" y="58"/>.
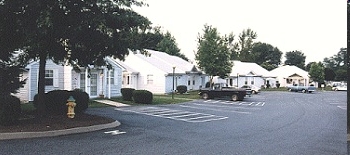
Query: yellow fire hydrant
<point x="71" y="104"/>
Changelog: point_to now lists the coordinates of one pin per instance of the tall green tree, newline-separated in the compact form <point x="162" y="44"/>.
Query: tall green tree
<point x="338" y="63"/>
<point x="168" y="45"/>
<point x="72" y="31"/>
<point x="10" y="78"/>
<point x="243" y="48"/>
<point x="153" y="38"/>
<point x="213" y="54"/>
<point x="308" y="66"/>
<point x="266" y="55"/>
<point x="296" y="58"/>
<point x="316" y="72"/>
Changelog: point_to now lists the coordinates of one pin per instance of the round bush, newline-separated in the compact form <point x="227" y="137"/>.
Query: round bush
<point x="143" y="96"/>
<point x="81" y="99"/>
<point x="10" y="110"/>
<point x="55" y="101"/>
<point x="181" y="89"/>
<point x="127" y="93"/>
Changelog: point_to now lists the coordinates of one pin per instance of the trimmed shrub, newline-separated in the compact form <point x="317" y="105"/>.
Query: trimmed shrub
<point x="181" y="89"/>
<point x="127" y="93"/>
<point x="10" y="110"/>
<point x="81" y="99"/>
<point x="142" y="96"/>
<point x="56" y="100"/>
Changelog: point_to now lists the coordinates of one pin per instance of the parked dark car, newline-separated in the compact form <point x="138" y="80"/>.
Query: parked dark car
<point x="222" y="90"/>
<point x="248" y="89"/>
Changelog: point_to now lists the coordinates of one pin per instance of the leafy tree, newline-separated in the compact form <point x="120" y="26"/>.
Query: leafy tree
<point x="168" y="45"/>
<point x="338" y="64"/>
<point x="243" y="47"/>
<point x="10" y="78"/>
<point x="308" y="66"/>
<point x="147" y="38"/>
<point x="213" y="54"/>
<point x="317" y="72"/>
<point x="75" y="32"/>
<point x="266" y="55"/>
<point x="295" y="58"/>
<point x="329" y="74"/>
<point x="154" y="39"/>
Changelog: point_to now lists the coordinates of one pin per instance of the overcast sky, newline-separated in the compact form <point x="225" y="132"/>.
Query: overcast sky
<point x="315" y="27"/>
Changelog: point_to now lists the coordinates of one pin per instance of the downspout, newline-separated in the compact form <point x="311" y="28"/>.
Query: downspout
<point x="109" y="83"/>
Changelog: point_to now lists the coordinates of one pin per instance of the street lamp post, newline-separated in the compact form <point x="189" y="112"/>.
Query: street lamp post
<point x="237" y="79"/>
<point x="172" y="94"/>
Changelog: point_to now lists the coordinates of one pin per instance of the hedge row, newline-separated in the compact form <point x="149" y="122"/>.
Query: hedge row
<point x="56" y="100"/>
<point x="139" y="96"/>
<point x="10" y="110"/>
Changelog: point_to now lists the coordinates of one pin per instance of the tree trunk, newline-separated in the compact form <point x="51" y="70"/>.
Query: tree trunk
<point x="41" y="86"/>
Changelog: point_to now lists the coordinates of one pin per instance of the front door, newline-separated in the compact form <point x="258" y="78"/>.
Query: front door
<point x="93" y="84"/>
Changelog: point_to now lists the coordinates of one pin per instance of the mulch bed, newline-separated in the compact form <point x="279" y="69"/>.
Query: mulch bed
<point x="58" y="122"/>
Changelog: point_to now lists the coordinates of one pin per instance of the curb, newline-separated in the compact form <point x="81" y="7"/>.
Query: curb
<point x="22" y="135"/>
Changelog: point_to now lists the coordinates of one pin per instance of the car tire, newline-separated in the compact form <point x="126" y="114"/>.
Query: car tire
<point x="205" y="96"/>
<point x="253" y="92"/>
<point x="289" y="89"/>
<point x="234" y="97"/>
<point x="303" y="91"/>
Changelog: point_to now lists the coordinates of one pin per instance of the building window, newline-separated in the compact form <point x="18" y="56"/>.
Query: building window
<point x="48" y="77"/>
<point x="193" y="82"/>
<point x="149" y="79"/>
<point x="252" y="82"/>
<point x="189" y="82"/>
<point x="111" y="76"/>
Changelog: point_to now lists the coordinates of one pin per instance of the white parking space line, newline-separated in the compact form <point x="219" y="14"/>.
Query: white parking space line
<point x="175" y="113"/>
<point x="260" y="104"/>
<point x="240" y="103"/>
<point x="215" y="109"/>
<point x="186" y="116"/>
<point x="201" y="117"/>
<point x="225" y="106"/>
<point x="192" y="114"/>
<point x="206" y="120"/>
<point x="342" y="107"/>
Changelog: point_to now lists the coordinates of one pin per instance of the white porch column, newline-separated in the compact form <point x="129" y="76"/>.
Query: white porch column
<point x="87" y="84"/>
<point x="109" y="84"/>
<point x="67" y="77"/>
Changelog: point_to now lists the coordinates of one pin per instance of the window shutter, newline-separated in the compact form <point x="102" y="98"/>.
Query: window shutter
<point x="55" y="78"/>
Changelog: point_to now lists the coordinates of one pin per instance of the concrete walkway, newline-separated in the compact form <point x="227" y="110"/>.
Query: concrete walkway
<point x="112" y="103"/>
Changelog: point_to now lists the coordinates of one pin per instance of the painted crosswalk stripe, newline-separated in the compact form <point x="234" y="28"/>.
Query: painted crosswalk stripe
<point x="186" y="116"/>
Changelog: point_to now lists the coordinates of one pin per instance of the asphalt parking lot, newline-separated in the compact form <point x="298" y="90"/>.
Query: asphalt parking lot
<point x="267" y="123"/>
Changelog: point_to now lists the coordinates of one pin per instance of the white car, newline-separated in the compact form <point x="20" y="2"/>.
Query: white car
<point x="254" y="89"/>
<point x="340" y="88"/>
